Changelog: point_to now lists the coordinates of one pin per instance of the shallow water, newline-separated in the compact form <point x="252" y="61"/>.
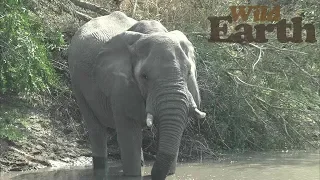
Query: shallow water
<point x="252" y="166"/>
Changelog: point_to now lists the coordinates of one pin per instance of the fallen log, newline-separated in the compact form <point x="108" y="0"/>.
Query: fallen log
<point x="90" y="6"/>
<point x="83" y="16"/>
<point x="31" y="158"/>
<point x="78" y="14"/>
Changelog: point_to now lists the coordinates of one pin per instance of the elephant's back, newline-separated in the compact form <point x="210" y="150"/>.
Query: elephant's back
<point x="105" y="27"/>
<point x="90" y="37"/>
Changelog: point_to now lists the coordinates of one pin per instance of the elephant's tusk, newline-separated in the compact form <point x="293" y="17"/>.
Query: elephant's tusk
<point x="200" y="114"/>
<point x="149" y="120"/>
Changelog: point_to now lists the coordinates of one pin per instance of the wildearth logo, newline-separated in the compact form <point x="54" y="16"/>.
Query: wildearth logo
<point x="262" y="14"/>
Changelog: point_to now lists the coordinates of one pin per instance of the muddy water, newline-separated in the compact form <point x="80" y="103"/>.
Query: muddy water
<point x="252" y="166"/>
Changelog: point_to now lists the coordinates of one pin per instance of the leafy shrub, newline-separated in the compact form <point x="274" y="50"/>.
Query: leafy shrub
<point x="25" y="45"/>
<point x="10" y="123"/>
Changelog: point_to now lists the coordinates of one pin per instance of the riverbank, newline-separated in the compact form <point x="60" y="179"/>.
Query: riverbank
<point x="294" y="165"/>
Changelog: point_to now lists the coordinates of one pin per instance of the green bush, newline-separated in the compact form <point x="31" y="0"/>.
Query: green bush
<point x="25" y="45"/>
<point x="12" y="117"/>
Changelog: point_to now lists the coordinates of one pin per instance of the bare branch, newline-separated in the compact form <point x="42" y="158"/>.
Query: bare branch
<point x="251" y="85"/>
<point x="259" y="58"/>
<point x="284" y="49"/>
<point x="299" y="66"/>
<point x="134" y="7"/>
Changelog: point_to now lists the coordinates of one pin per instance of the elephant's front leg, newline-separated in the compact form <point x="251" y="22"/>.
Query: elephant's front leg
<point x="129" y="137"/>
<point x="99" y="154"/>
<point x="97" y="137"/>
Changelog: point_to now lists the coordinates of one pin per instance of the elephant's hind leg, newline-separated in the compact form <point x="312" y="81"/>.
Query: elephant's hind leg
<point x="97" y="137"/>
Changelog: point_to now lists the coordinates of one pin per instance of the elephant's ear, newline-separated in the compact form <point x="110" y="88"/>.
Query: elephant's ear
<point x="113" y="72"/>
<point x="113" y="69"/>
<point x="129" y="38"/>
<point x="188" y="49"/>
<point x="114" y="60"/>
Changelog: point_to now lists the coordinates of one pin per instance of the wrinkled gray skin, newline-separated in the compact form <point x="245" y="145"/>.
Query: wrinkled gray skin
<point x="122" y="69"/>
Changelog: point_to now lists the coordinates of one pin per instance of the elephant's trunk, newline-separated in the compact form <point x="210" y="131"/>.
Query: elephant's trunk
<point x="172" y="111"/>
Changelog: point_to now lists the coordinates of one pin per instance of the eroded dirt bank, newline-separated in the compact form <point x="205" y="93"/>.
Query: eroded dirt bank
<point x="44" y="142"/>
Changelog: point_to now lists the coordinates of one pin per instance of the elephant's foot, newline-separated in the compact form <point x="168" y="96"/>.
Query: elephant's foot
<point x="132" y="173"/>
<point x="132" y="168"/>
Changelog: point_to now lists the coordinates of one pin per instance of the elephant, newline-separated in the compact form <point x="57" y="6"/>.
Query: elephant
<point x="129" y="75"/>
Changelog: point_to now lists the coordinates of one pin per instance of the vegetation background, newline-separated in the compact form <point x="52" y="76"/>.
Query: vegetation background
<point x="257" y="96"/>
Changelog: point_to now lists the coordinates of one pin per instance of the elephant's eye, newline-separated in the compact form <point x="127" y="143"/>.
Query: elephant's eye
<point x="189" y="73"/>
<point x="144" y="76"/>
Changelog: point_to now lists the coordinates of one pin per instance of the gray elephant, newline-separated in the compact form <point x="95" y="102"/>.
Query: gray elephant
<point x="127" y="75"/>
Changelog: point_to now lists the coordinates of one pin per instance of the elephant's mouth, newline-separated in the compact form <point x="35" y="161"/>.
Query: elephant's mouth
<point x="194" y="112"/>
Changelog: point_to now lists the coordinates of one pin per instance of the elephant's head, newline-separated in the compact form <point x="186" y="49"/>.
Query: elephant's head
<point x="161" y="66"/>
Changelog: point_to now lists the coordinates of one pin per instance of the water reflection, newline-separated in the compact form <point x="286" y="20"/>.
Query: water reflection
<point x="75" y="173"/>
<point x="253" y="166"/>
